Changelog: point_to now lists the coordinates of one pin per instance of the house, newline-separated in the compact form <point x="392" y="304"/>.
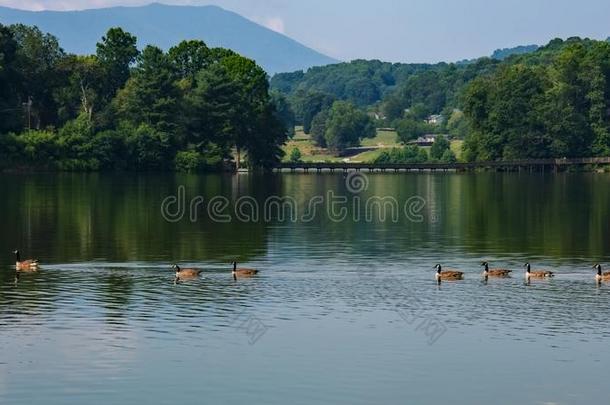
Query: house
<point x="435" y="119"/>
<point x="427" y="140"/>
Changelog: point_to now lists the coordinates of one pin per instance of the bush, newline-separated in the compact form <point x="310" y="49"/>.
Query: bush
<point x="10" y="149"/>
<point x="149" y="149"/>
<point x="295" y="155"/>
<point x="439" y="147"/>
<point x="110" y="150"/>
<point x="40" y="148"/>
<point x="409" y="154"/>
<point x="448" y="157"/>
<point x="74" y="142"/>
<point x="192" y="161"/>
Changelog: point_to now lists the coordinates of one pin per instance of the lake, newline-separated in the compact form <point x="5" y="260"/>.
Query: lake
<point x="345" y="309"/>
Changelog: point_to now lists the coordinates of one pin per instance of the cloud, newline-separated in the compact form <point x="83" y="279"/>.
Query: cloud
<point x="274" y="23"/>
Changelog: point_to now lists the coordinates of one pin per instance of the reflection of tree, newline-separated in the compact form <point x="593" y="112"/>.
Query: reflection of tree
<point x="80" y="217"/>
<point x="115" y="294"/>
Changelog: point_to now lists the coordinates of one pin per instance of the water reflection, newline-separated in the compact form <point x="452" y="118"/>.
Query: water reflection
<point x="104" y="314"/>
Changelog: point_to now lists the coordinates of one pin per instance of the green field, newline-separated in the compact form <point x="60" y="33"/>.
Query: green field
<point x="311" y="153"/>
<point x="385" y="140"/>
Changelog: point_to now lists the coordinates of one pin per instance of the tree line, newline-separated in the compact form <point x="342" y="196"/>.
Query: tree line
<point x="191" y="108"/>
<point x="551" y="101"/>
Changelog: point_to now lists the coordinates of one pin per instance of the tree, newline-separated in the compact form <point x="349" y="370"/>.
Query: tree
<point x="10" y="117"/>
<point x="212" y="109"/>
<point x="151" y="96"/>
<point x="116" y="52"/>
<point x="311" y="104"/>
<point x="448" y="157"/>
<point x="258" y="129"/>
<point x="284" y="112"/>
<point x="409" y="129"/>
<point x="346" y="125"/>
<point x="295" y="155"/>
<point x="440" y="145"/>
<point x="318" y="128"/>
<point x="189" y="58"/>
<point x="36" y="59"/>
<point x="457" y="125"/>
<point x="83" y="88"/>
<point x="408" y="154"/>
<point x="148" y="148"/>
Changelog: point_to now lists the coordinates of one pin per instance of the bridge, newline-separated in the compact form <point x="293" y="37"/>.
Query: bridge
<point x="531" y="165"/>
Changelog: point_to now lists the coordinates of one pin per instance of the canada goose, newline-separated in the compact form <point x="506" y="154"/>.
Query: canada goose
<point x="537" y="273"/>
<point x="242" y="273"/>
<point x="25" y="265"/>
<point x="601" y="276"/>
<point x="447" y="274"/>
<point x="495" y="272"/>
<point x="186" y="274"/>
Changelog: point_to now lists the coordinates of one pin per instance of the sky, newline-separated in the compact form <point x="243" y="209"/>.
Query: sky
<point x="400" y="30"/>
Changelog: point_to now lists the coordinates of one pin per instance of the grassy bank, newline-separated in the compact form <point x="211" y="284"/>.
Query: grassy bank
<point x="384" y="141"/>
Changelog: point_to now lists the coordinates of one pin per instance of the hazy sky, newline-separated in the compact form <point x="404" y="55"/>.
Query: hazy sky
<point x="405" y="31"/>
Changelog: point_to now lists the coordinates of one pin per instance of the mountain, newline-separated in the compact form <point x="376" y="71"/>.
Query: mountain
<point x="501" y="54"/>
<point x="165" y="26"/>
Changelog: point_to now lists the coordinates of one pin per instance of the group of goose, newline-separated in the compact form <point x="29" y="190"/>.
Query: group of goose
<point x="31" y="265"/>
<point x="454" y="275"/>
<point x="182" y="274"/>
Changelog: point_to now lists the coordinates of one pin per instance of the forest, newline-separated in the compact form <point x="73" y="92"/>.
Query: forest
<point x="195" y="108"/>
<point x="189" y="109"/>
<point x="527" y="102"/>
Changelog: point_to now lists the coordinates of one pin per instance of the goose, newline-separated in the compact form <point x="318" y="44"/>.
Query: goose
<point x="186" y="274"/>
<point x="25" y="265"/>
<point x="242" y="273"/>
<point x="495" y="272"/>
<point x="447" y="274"/>
<point x="536" y="273"/>
<point x="601" y="276"/>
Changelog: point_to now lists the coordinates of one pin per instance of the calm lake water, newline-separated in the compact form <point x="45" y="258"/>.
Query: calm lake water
<point x="345" y="309"/>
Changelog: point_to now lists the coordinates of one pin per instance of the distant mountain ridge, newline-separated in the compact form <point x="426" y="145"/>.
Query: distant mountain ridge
<point x="166" y="26"/>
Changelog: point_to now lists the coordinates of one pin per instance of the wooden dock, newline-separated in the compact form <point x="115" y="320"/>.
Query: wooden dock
<point x="531" y="165"/>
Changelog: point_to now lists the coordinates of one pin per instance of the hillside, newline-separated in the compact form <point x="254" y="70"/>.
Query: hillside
<point x="164" y="26"/>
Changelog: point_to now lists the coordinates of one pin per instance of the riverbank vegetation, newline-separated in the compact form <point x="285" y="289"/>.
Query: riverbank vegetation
<point x="191" y="108"/>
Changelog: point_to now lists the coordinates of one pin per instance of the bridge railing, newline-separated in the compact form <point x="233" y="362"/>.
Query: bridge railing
<point x="443" y="166"/>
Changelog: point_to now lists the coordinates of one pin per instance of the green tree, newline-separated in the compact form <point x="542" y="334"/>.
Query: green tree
<point x="117" y="51"/>
<point x="258" y="129"/>
<point x="439" y="147"/>
<point x="346" y="125"/>
<point x="10" y="110"/>
<point x="311" y="104"/>
<point x="148" y="148"/>
<point x="83" y="87"/>
<point x="189" y="58"/>
<point x="409" y="129"/>
<point x="448" y="157"/>
<point x="151" y="96"/>
<point x="283" y="112"/>
<point x="295" y="155"/>
<point x="36" y="60"/>
<point x="318" y="128"/>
